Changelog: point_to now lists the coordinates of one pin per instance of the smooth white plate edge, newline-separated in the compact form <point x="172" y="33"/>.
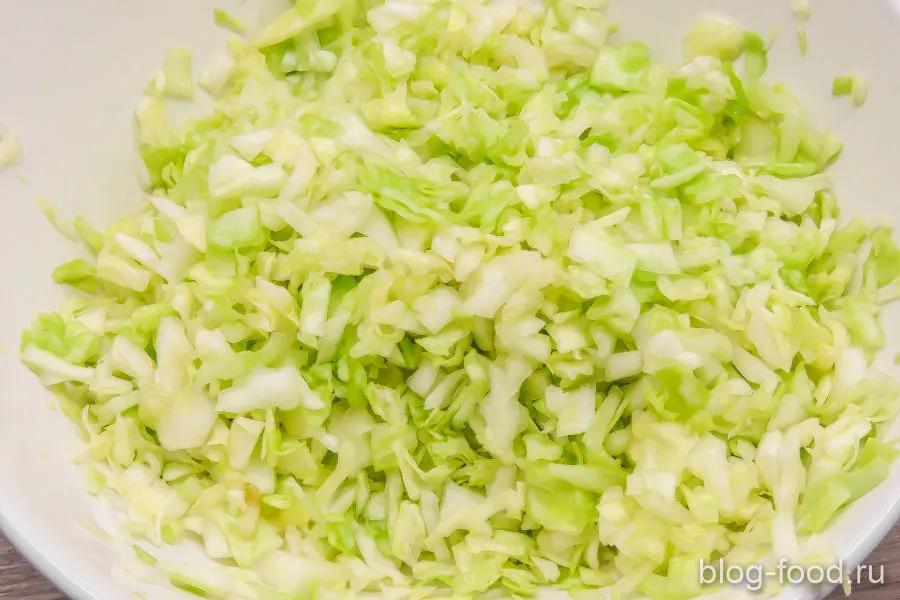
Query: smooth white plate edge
<point x="836" y="46"/>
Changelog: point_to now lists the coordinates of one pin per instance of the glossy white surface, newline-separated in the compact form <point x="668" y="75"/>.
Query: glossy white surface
<point x="70" y="75"/>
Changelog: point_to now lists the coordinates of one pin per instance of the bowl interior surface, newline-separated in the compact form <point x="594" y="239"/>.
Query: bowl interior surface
<point x="71" y="76"/>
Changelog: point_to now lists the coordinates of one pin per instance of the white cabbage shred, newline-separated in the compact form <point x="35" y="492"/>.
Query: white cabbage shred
<point x="10" y="147"/>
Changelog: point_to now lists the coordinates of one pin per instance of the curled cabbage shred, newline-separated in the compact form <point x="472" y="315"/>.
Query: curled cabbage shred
<point x="444" y="298"/>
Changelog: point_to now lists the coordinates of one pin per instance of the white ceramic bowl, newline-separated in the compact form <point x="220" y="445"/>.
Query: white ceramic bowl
<point x="70" y="75"/>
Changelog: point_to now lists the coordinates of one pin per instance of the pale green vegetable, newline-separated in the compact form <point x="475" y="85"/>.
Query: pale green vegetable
<point x="802" y="9"/>
<point x="445" y="297"/>
<point x="52" y="213"/>
<point x="229" y="21"/>
<point x="855" y="85"/>
<point x="179" y="81"/>
<point x="860" y="91"/>
<point x="714" y="35"/>
<point x="10" y="147"/>
<point x="842" y="86"/>
<point x="802" y="39"/>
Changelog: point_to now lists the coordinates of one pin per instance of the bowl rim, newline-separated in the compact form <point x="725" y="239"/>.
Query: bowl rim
<point x="16" y="533"/>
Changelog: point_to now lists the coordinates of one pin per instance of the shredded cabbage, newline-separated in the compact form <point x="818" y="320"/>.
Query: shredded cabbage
<point x="859" y="88"/>
<point x="229" y="21"/>
<point x="842" y="86"/>
<point x="802" y="10"/>
<point x="855" y="85"/>
<point x="445" y="297"/>
<point x="10" y="147"/>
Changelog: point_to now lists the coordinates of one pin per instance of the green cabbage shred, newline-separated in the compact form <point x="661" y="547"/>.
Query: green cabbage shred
<point x="229" y="21"/>
<point x="842" y="86"/>
<point x="855" y="85"/>
<point x="444" y="297"/>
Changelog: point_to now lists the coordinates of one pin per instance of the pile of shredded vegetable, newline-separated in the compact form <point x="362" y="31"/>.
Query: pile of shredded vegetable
<point x="445" y="297"/>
